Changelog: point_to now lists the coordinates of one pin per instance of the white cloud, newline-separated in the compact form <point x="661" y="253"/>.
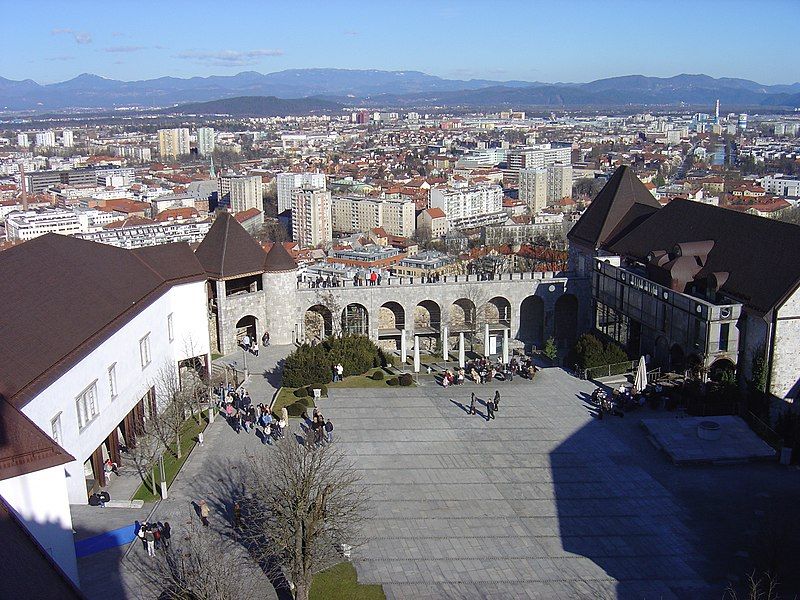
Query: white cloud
<point x="80" y="37"/>
<point x="123" y="49"/>
<point x="228" y="58"/>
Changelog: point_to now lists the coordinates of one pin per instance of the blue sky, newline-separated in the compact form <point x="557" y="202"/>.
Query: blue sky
<point x="559" y="40"/>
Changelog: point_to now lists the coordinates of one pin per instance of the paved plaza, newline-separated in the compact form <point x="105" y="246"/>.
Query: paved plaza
<point x="544" y="502"/>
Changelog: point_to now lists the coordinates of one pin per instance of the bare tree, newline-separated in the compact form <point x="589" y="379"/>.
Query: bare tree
<point x="173" y="402"/>
<point x="197" y="564"/>
<point x="755" y="588"/>
<point x="300" y="508"/>
<point x="145" y="454"/>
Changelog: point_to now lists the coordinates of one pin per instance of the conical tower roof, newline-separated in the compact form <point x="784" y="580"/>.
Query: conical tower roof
<point x="622" y="201"/>
<point x="278" y="259"/>
<point x="228" y="251"/>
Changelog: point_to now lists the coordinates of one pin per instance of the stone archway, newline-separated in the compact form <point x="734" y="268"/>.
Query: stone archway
<point x="566" y="320"/>
<point x="531" y="322"/>
<point x="722" y="369"/>
<point x="247" y="325"/>
<point x="355" y="319"/>
<point x="318" y="323"/>
<point x="391" y="315"/>
<point x="497" y="311"/>
<point x="462" y="315"/>
<point x="427" y="317"/>
<point x="677" y="358"/>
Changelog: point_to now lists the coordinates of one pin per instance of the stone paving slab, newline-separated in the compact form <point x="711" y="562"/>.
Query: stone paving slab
<point x="679" y="439"/>
<point x="538" y="503"/>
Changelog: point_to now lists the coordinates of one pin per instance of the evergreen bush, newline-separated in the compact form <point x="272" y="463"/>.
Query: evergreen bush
<point x="392" y="381"/>
<point x="377" y="375"/>
<point x="405" y="379"/>
<point x="300" y="392"/>
<point x="313" y="364"/>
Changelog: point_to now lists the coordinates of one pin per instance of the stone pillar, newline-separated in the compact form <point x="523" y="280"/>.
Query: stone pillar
<point x="505" y="346"/>
<point x="486" y="339"/>
<point x="403" y="347"/>
<point x="445" y="348"/>
<point x="461" y="361"/>
<point x="416" y="354"/>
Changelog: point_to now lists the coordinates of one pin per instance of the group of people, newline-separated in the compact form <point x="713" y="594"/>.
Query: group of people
<point x="318" y="429"/>
<point x="492" y="406"/>
<point x="337" y="372"/>
<point x="241" y="415"/>
<point x="154" y="536"/>
<point x="250" y="345"/>
<point x="483" y="370"/>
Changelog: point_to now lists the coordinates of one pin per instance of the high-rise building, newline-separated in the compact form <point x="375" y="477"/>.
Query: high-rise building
<point x="533" y="188"/>
<point x="287" y="182"/>
<point x="742" y="122"/>
<point x="311" y="216"/>
<point x="23" y="140"/>
<point x="469" y="206"/>
<point x="205" y="140"/>
<point x="173" y="142"/>
<point x="241" y="192"/>
<point x="67" y="139"/>
<point x="534" y="157"/>
<point x="559" y="182"/>
<point x="45" y="139"/>
<point x="353" y="214"/>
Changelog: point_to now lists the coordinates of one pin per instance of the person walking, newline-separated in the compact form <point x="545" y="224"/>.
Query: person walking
<point x="472" y="405"/>
<point x="237" y="515"/>
<point x="166" y="533"/>
<point x="150" y="540"/>
<point x="489" y="410"/>
<point x="204" y="512"/>
<point x="265" y="339"/>
<point x="246" y="342"/>
<point x="329" y="431"/>
<point x="497" y="400"/>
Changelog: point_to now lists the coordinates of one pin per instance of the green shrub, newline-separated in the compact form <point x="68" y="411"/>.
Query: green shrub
<point x="405" y="379"/>
<point x="392" y="381"/>
<point x="550" y="350"/>
<point x="301" y="392"/>
<point x="296" y="408"/>
<point x="323" y="389"/>
<point x="590" y="352"/>
<point x="313" y="364"/>
<point x="377" y="375"/>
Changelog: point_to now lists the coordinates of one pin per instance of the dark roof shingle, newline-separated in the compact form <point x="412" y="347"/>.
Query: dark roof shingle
<point x="229" y="251"/>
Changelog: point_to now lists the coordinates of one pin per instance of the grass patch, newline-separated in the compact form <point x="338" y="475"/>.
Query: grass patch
<point x="173" y="465"/>
<point x="286" y="398"/>
<point x="362" y="381"/>
<point x="340" y="582"/>
<point x="215" y="356"/>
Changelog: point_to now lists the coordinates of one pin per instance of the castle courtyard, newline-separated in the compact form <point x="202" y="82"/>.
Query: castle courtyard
<point x="546" y="501"/>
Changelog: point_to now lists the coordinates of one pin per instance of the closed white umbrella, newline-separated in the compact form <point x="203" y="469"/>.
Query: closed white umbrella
<point x="640" y="382"/>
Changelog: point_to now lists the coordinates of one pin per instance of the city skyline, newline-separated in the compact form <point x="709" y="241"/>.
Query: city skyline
<point x="579" y="42"/>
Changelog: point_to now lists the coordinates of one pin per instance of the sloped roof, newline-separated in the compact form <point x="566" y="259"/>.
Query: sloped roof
<point x="746" y="246"/>
<point x="63" y="296"/>
<point x="24" y="447"/>
<point x="279" y="259"/>
<point x="619" y="195"/>
<point x="229" y="251"/>
<point x="28" y="570"/>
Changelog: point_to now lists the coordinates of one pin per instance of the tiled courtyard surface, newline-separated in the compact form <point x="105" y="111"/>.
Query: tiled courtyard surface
<point x="543" y="502"/>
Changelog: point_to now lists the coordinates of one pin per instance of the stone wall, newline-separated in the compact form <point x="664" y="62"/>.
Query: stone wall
<point x="784" y="381"/>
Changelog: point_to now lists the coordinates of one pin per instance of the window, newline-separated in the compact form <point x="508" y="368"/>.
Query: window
<point x="86" y="405"/>
<point x="724" y="331"/>
<point x="144" y="350"/>
<point x="55" y="428"/>
<point x="170" y="329"/>
<point x="112" y="380"/>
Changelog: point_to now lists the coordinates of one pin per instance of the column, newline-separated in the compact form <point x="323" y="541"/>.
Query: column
<point x="461" y="361"/>
<point x="445" y="348"/>
<point x="505" y="346"/>
<point x="416" y="354"/>
<point x="486" y="339"/>
<point x="403" y="347"/>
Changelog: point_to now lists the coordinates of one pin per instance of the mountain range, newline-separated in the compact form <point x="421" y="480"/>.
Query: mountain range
<point x="373" y="88"/>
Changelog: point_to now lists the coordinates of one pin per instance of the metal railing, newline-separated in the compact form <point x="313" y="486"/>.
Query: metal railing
<point x="764" y="431"/>
<point x="406" y="280"/>
<point x="609" y="370"/>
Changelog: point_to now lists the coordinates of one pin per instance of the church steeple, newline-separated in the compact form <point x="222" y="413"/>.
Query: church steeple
<point x="212" y="173"/>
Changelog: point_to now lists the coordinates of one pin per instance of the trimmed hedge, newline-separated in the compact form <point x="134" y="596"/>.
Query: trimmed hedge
<point x="392" y="381"/>
<point x="405" y="379"/>
<point x="297" y="408"/>
<point x="309" y="365"/>
<point x="301" y="392"/>
<point x="377" y="375"/>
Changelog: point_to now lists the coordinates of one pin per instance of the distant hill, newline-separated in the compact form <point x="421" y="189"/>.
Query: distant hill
<point x="257" y="106"/>
<point x="385" y="88"/>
